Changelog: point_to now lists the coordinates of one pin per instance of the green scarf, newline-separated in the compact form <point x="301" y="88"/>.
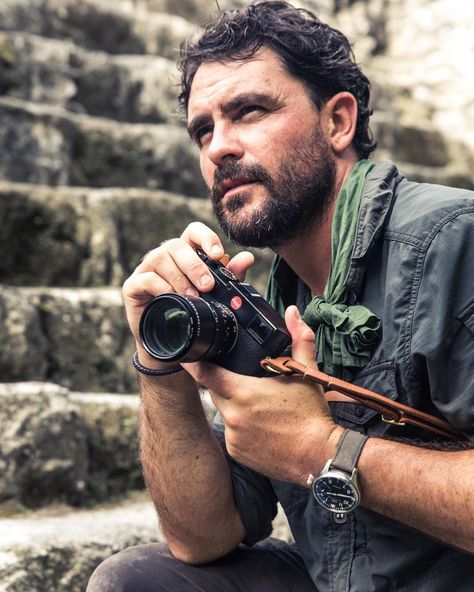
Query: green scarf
<point x="345" y="335"/>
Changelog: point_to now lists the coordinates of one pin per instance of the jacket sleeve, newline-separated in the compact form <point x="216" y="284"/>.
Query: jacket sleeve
<point x="443" y="318"/>
<point x="254" y="496"/>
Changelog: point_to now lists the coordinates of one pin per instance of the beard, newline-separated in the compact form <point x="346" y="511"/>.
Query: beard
<point x="295" y="198"/>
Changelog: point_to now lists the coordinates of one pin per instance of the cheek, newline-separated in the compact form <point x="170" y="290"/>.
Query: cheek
<point x="207" y="171"/>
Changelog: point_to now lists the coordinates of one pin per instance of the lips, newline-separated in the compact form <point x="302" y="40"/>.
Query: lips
<point x="230" y="184"/>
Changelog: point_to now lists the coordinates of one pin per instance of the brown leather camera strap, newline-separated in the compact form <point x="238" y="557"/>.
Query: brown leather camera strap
<point x="340" y="391"/>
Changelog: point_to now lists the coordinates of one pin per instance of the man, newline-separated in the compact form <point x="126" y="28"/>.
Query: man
<point x="279" y="112"/>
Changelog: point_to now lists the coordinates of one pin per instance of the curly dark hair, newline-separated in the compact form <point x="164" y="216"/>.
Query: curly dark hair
<point x="312" y="51"/>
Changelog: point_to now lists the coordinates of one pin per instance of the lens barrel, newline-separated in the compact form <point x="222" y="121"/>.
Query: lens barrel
<point x="175" y="328"/>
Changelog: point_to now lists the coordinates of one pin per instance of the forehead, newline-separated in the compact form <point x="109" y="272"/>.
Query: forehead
<point x="215" y="82"/>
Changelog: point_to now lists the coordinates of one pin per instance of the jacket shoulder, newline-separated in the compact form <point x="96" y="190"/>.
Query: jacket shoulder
<point x="420" y="208"/>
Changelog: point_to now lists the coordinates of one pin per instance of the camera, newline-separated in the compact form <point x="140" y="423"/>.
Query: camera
<point x="232" y="325"/>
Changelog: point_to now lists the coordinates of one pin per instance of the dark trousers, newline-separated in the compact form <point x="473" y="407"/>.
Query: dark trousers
<point x="269" y="566"/>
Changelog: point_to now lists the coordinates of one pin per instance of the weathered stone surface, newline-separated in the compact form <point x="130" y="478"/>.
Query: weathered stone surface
<point x="413" y="144"/>
<point x="85" y="342"/>
<point x="79" y="237"/>
<point x="23" y="354"/>
<point x="57" y="550"/>
<point x="43" y="452"/>
<point x="46" y="145"/>
<point x="429" y="156"/>
<point x="57" y="73"/>
<point x="429" y="53"/>
<point x="111" y="431"/>
<point x="113" y="27"/>
<point x="192" y="10"/>
<point x="57" y="445"/>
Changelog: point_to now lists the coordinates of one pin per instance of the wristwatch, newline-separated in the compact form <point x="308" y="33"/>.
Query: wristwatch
<point x="336" y="489"/>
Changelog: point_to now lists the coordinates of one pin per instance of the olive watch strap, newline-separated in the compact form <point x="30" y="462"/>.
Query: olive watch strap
<point x="348" y="451"/>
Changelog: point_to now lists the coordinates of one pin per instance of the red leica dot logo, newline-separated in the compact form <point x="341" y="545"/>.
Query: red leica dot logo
<point x="236" y="303"/>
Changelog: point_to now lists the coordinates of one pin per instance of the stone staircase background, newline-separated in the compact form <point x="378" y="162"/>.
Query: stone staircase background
<point x="96" y="169"/>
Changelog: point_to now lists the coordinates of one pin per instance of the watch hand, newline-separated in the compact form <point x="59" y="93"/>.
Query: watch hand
<point x="340" y="495"/>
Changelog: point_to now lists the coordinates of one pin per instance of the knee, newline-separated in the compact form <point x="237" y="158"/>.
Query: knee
<point x="135" y="569"/>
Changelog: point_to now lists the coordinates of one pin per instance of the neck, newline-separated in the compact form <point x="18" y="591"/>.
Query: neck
<point x="310" y="255"/>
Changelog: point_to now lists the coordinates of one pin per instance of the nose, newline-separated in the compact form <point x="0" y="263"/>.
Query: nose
<point x="225" y="144"/>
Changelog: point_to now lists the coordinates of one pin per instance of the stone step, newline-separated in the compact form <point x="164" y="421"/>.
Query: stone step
<point x="420" y="146"/>
<point x="77" y="338"/>
<point x="48" y="145"/>
<point x="115" y="27"/>
<point x="56" y="549"/>
<point x="69" y="447"/>
<point x="60" y="446"/>
<point x="135" y="88"/>
<point x="86" y="237"/>
<point x="91" y="237"/>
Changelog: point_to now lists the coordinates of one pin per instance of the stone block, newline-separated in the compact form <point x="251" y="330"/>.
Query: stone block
<point x="191" y="10"/>
<point x="50" y="146"/>
<point x="80" y="237"/>
<point x="84" y="341"/>
<point x="409" y="143"/>
<point x="58" y="446"/>
<point x="113" y="27"/>
<point x="43" y="451"/>
<point x="137" y="88"/>
<point x="111" y="431"/>
<point x="23" y="355"/>
<point x="57" y="549"/>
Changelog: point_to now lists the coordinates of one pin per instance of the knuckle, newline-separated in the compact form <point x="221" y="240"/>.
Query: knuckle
<point x="171" y="243"/>
<point x="233" y="420"/>
<point x="197" y="268"/>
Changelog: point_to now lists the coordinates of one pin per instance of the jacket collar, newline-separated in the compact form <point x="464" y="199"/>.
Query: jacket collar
<point x="377" y="202"/>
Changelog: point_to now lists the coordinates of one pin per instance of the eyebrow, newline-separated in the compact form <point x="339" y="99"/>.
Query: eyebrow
<point x="231" y="106"/>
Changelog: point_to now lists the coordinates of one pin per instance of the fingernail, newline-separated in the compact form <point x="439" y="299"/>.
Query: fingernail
<point x="205" y="280"/>
<point x="216" y="250"/>
<point x="191" y="292"/>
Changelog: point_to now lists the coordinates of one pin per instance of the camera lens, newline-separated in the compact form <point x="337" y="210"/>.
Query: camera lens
<point x="170" y="327"/>
<point x="186" y="329"/>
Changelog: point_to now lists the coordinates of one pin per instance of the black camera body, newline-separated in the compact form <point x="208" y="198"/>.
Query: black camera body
<point x="232" y="325"/>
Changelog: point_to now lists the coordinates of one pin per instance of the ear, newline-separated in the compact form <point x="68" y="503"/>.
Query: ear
<point x="340" y="118"/>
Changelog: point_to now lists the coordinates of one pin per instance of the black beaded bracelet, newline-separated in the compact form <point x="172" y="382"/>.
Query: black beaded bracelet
<point x="153" y="371"/>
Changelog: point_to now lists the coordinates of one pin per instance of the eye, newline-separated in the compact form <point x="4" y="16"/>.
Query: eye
<point x="201" y="133"/>
<point x="249" y="109"/>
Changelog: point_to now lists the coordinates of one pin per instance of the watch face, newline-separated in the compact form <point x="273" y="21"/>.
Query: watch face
<point x="335" y="493"/>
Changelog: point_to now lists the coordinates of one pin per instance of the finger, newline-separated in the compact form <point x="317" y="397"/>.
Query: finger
<point x="200" y="236"/>
<point x="141" y="287"/>
<point x="178" y="264"/>
<point x="241" y="263"/>
<point x="302" y="347"/>
<point x="188" y="262"/>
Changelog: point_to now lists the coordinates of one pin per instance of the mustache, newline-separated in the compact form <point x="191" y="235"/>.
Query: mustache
<point x="234" y="170"/>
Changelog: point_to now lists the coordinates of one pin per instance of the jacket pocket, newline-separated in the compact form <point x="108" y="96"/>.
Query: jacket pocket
<point x="379" y="378"/>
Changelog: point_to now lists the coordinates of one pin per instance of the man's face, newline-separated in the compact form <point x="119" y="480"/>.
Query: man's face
<point x="263" y="154"/>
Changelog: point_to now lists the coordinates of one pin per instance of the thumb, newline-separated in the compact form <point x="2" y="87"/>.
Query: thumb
<point x="241" y="263"/>
<point x="302" y="348"/>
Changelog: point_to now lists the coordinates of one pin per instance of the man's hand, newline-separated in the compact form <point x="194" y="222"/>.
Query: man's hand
<point x="175" y="267"/>
<point x="280" y="427"/>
